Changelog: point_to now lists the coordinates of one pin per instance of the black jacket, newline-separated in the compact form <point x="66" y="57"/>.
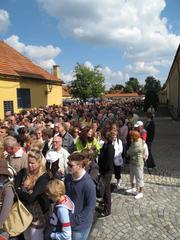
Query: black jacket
<point x="38" y="190"/>
<point x="106" y="158"/>
<point x="150" y="128"/>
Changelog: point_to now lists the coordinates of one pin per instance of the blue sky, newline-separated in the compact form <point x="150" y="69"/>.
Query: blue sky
<point x="127" y="38"/>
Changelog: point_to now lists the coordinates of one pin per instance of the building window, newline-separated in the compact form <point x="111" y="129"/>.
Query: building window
<point x="23" y="98"/>
<point x="8" y="106"/>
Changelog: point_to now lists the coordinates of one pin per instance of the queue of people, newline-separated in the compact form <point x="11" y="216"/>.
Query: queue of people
<point x="57" y="154"/>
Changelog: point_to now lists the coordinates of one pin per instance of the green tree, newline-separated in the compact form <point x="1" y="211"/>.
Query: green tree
<point x="117" y="87"/>
<point x="152" y="84"/>
<point x="152" y="88"/>
<point x="88" y="82"/>
<point x="128" y="89"/>
<point x="133" y="84"/>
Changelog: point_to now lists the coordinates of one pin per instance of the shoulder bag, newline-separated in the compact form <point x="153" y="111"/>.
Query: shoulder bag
<point x="19" y="218"/>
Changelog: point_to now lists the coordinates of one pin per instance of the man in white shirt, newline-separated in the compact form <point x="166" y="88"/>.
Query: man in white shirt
<point x="57" y="156"/>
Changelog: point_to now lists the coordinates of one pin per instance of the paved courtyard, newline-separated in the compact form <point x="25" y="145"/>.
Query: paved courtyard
<point x="157" y="214"/>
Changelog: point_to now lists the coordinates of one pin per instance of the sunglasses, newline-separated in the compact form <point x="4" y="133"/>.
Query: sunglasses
<point x="70" y="165"/>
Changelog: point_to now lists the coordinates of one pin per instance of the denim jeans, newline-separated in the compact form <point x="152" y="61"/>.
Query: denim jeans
<point x="81" y="235"/>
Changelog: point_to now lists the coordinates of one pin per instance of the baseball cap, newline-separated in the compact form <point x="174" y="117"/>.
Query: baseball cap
<point x="138" y="124"/>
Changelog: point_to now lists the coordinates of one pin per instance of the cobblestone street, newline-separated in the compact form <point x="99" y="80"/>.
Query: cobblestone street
<point x="157" y="214"/>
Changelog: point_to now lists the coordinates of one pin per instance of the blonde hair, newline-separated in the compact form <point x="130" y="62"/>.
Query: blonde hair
<point x="31" y="179"/>
<point x="55" y="189"/>
<point x="36" y="144"/>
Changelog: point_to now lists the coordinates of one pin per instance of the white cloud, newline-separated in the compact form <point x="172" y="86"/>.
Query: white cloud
<point x="142" y="68"/>
<point x="4" y="20"/>
<point x="41" y="55"/>
<point x="89" y="65"/>
<point x="136" y="27"/>
<point x="67" y="77"/>
<point x="111" y="77"/>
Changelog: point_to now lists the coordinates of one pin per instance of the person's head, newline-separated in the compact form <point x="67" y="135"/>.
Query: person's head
<point x="95" y="126"/>
<point x="76" y="163"/>
<point x="47" y="134"/>
<point x="38" y="133"/>
<point x="121" y="121"/>
<point x="36" y="144"/>
<point x="75" y="132"/>
<point x="57" y="143"/>
<point x="89" y="156"/>
<point x="62" y="128"/>
<point x="11" y="145"/>
<point x="135" y="135"/>
<point x="67" y="126"/>
<point x="90" y="133"/>
<point x="108" y="137"/>
<point x="36" y="162"/>
<point x="114" y="126"/>
<point x="86" y="135"/>
<point x="114" y="134"/>
<point x="149" y="115"/>
<point x="26" y="122"/>
<point x="48" y="125"/>
<point x="139" y="125"/>
<point x="4" y="132"/>
<point x="55" y="189"/>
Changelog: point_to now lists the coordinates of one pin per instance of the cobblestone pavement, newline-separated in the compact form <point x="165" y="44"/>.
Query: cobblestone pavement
<point x="157" y="214"/>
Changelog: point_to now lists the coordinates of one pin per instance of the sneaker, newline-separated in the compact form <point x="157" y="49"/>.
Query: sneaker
<point x="131" y="190"/>
<point x="102" y="215"/>
<point x="119" y="187"/>
<point x="139" y="195"/>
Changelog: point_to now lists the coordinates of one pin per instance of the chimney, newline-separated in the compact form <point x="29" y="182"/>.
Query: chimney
<point x="56" y="71"/>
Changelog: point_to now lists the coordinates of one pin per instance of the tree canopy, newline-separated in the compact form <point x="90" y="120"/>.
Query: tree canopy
<point x="87" y="82"/>
<point x="152" y="84"/>
<point x="152" y="88"/>
<point x="132" y="85"/>
<point x="117" y="87"/>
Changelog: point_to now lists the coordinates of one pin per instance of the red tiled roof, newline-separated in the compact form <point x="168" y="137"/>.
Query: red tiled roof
<point x="65" y="91"/>
<point x="119" y="94"/>
<point x="12" y="63"/>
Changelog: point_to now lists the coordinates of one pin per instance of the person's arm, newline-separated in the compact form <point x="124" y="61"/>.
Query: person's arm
<point x="71" y="144"/>
<point x="63" y="216"/>
<point x="79" y="145"/>
<point x="7" y="204"/>
<point x="94" y="171"/>
<point x="38" y="189"/>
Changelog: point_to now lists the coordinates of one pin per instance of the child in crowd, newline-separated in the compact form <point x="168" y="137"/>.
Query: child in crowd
<point x="63" y="206"/>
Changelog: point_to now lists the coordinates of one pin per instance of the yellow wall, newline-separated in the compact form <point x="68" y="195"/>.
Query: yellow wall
<point x="55" y="96"/>
<point x="41" y="94"/>
<point x="8" y="93"/>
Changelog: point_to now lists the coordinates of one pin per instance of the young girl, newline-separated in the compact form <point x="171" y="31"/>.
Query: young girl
<point x="63" y="206"/>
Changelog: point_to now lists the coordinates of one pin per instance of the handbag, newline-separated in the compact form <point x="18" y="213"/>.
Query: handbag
<point x="19" y="218"/>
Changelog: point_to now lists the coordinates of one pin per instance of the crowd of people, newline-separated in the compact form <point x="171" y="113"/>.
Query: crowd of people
<point x="53" y="157"/>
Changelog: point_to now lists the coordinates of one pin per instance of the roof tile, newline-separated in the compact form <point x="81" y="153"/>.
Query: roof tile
<point x="15" y="64"/>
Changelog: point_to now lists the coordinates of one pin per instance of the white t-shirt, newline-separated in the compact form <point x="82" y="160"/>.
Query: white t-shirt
<point x="118" y="146"/>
